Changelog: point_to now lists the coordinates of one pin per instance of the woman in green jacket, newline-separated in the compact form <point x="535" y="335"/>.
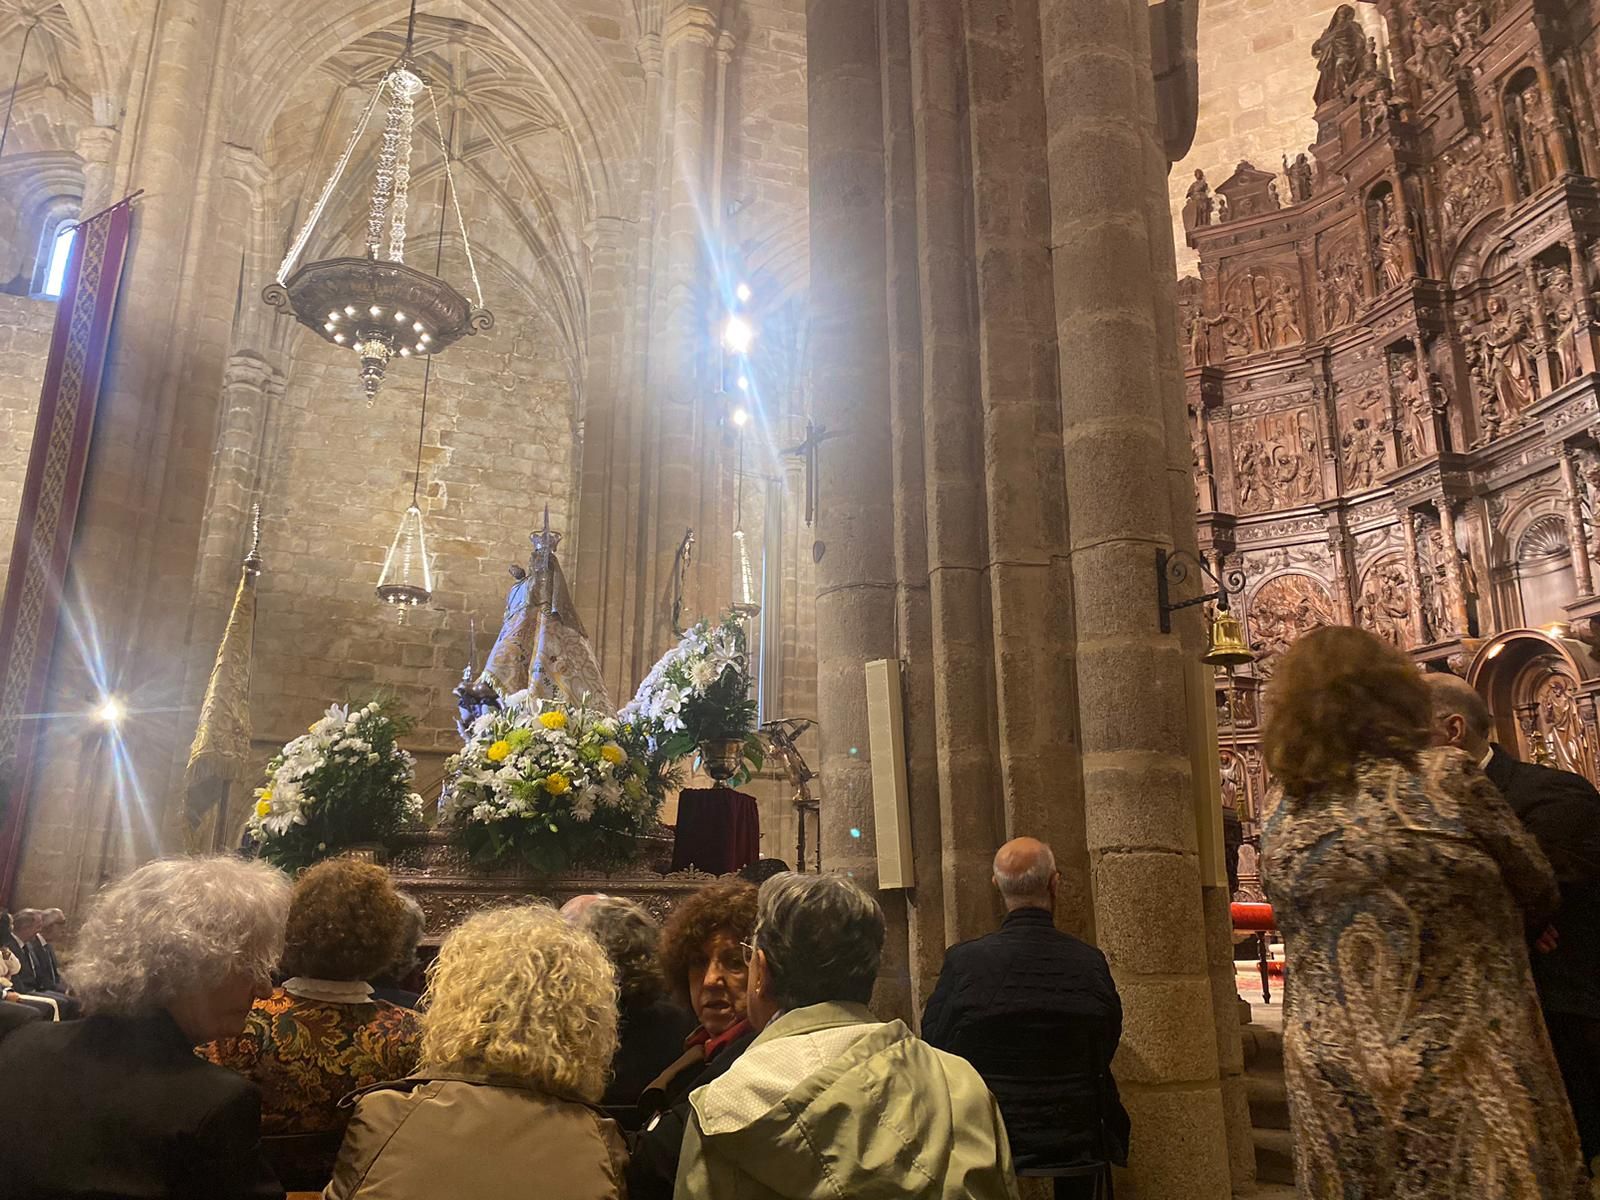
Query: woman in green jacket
<point x="829" y="1102"/>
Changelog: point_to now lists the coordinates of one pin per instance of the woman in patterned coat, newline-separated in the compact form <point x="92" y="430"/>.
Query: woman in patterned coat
<point x="1417" y="1062"/>
<point x="321" y="1035"/>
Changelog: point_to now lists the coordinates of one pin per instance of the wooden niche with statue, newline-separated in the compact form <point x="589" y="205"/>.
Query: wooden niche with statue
<point x="1392" y="350"/>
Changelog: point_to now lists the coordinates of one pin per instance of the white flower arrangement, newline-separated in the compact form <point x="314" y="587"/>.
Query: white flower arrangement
<point x="554" y="783"/>
<point x="344" y="781"/>
<point x="698" y="691"/>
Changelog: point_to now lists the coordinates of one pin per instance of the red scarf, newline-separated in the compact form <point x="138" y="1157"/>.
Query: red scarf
<point x="715" y="1045"/>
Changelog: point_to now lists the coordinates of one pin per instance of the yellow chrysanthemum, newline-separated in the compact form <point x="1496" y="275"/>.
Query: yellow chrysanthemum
<point x="557" y="784"/>
<point x="498" y="752"/>
<point x="263" y="808"/>
<point x="613" y="754"/>
<point x="554" y="719"/>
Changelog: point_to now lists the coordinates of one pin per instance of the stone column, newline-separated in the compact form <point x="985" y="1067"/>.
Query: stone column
<point x="1408" y="530"/>
<point x="1030" y="587"/>
<point x="952" y="458"/>
<point x="925" y="912"/>
<point x="1582" y="569"/>
<point x="1132" y="680"/>
<point x="856" y="585"/>
<point x="602" y="563"/>
<point x="97" y="147"/>
<point x="673" y="418"/>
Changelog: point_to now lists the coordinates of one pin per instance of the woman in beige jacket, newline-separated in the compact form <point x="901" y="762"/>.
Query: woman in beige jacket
<point x="517" y="1039"/>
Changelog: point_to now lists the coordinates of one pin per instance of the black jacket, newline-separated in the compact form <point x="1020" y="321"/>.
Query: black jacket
<point x="1562" y="811"/>
<point x="46" y="970"/>
<point x="649" y="1037"/>
<point x="1035" y="1011"/>
<point x="27" y="979"/>
<point x="129" y="1111"/>
<point x="14" y="1016"/>
<point x="653" y="1152"/>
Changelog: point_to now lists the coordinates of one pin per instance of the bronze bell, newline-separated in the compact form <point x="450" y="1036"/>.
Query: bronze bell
<point x="1225" y="644"/>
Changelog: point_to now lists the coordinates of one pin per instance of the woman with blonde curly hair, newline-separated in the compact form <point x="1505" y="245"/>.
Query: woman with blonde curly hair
<point x="118" y="1104"/>
<point x="1416" y="1058"/>
<point x="520" y="1026"/>
<point x="321" y="1035"/>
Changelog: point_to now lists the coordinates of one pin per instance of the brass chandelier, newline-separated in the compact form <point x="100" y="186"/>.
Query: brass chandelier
<point x="373" y="304"/>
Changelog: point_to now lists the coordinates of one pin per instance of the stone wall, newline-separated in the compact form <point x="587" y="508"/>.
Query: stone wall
<point x="25" y="327"/>
<point x="1256" y="81"/>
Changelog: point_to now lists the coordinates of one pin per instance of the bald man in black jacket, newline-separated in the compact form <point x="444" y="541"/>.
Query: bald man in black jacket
<point x="1562" y="811"/>
<point x="1036" y="1012"/>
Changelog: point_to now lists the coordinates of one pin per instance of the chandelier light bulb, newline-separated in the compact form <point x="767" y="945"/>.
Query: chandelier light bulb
<point x="399" y="318"/>
<point x="335" y="315"/>
<point x="744" y="383"/>
<point x="349" y="310"/>
<point x="743" y="292"/>
<point x="375" y="311"/>
<point x="111" y="712"/>
<point x="339" y="337"/>
<point x="741" y="416"/>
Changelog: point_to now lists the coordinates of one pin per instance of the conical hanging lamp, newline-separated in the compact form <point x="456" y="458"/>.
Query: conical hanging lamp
<point x="375" y="305"/>
<point x="407" y="577"/>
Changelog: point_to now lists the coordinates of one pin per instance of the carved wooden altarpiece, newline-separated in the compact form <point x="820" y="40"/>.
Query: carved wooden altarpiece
<point x="1392" y="352"/>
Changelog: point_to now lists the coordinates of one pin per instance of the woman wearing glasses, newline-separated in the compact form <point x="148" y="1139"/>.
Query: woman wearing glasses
<point x="703" y="959"/>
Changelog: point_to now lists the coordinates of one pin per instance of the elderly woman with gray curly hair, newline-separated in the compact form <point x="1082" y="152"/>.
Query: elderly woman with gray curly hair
<point x="652" y="1026"/>
<point x="517" y="1038"/>
<point x="169" y="957"/>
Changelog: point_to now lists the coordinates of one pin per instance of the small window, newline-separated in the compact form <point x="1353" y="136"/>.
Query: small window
<point x="55" y="274"/>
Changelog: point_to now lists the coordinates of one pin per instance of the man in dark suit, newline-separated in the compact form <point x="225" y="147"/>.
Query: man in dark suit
<point x="1562" y="811"/>
<point x="41" y="973"/>
<point x="1036" y="1012"/>
<point x="23" y="927"/>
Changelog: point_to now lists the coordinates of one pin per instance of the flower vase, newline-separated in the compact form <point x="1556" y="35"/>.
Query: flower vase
<point x="723" y="757"/>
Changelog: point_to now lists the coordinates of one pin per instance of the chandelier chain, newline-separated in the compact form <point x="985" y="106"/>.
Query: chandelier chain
<point x="383" y="186"/>
<point x="455" y="192"/>
<point x="16" y="82"/>
<point x="304" y="236"/>
<point x="427" y="367"/>
<point x="402" y="185"/>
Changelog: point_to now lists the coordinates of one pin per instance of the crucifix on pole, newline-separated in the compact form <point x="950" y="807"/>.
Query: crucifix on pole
<point x="807" y="452"/>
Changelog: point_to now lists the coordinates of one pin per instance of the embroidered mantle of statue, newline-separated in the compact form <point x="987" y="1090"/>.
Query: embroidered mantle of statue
<point x="542" y="646"/>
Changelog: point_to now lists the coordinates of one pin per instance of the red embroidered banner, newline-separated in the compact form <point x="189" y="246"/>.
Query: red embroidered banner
<point x="48" y="517"/>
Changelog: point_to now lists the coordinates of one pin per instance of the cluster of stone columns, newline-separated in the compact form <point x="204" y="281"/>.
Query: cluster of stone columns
<point x="654" y="463"/>
<point x="995" y="357"/>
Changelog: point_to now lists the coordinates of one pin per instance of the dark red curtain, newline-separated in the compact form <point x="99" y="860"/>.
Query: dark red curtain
<point x="31" y="610"/>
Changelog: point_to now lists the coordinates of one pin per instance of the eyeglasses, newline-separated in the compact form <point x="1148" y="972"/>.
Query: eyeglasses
<point x="748" y="949"/>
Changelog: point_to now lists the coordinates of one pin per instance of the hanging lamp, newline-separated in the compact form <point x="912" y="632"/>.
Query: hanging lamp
<point x="407" y="577"/>
<point x="375" y="305"/>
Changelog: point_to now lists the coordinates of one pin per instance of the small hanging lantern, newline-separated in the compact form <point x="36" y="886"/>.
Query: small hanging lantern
<point x="407" y="579"/>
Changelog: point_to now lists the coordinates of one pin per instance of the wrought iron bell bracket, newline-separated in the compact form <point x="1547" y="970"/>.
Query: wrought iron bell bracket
<point x="1172" y="569"/>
